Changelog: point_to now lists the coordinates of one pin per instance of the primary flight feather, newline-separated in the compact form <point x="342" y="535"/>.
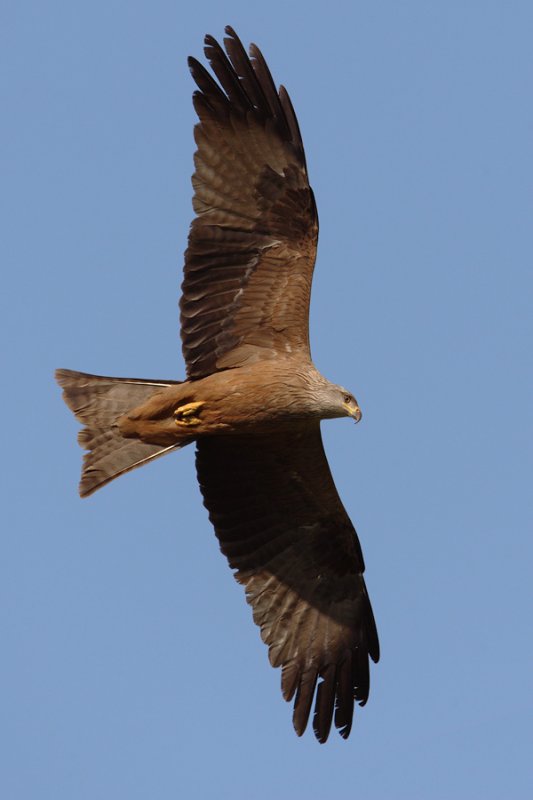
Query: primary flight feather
<point x="253" y="400"/>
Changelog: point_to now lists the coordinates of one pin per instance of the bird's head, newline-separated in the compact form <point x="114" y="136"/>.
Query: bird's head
<point x="350" y="406"/>
<point x="339" y="402"/>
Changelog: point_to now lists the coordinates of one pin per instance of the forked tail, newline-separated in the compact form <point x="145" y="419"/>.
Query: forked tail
<point x="98" y="402"/>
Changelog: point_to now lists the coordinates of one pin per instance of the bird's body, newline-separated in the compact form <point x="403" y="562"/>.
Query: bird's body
<point x="260" y="398"/>
<point x="253" y="400"/>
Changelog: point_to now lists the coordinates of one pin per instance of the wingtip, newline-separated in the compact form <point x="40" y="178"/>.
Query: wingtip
<point x="61" y="376"/>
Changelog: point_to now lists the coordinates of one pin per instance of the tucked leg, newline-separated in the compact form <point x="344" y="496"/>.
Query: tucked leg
<point x="188" y="414"/>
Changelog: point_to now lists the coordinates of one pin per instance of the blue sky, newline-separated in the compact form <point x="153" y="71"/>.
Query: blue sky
<point x="130" y="665"/>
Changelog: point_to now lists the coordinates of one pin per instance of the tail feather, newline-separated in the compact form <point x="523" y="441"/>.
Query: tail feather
<point x="98" y="402"/>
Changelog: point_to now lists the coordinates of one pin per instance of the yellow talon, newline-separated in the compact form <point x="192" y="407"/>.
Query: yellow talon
<point x="186" y="415"/>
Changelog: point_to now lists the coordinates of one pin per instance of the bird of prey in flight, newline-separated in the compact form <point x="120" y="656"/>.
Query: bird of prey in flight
<point x="252" y="401"/>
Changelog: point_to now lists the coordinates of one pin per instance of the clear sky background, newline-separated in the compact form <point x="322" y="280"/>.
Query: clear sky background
<point x="130" y="666"/>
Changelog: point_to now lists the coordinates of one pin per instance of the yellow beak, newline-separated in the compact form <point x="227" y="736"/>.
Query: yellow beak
<point x="353" y="411"/>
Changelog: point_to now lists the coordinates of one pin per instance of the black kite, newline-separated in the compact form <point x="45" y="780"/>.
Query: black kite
<point x="253" y="399"/>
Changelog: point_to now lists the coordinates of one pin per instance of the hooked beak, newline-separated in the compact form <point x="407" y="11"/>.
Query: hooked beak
<point x="353" y="411"/>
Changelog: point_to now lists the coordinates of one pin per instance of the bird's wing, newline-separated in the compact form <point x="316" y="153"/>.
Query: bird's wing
<point x="252" y="245"/>
<point x="283" y="528"/>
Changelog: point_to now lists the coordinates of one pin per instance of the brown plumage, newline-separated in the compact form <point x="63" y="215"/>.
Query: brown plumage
<point x="253" y="400"/>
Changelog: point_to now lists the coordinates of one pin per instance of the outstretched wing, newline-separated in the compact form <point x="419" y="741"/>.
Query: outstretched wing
<point x="283" y="528"/>
<point x="252" y="245"/>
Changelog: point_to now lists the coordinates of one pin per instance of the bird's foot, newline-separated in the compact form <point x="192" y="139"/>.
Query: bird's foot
<point x="187" y="415"/>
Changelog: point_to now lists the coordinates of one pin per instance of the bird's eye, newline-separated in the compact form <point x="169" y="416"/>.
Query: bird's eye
<point x="348" y="398"/>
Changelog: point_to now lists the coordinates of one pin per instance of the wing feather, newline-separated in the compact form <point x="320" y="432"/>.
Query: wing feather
<point x="284" y="530"/>
<point x="325" y="703"/>
<point x="252" y="245"/>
